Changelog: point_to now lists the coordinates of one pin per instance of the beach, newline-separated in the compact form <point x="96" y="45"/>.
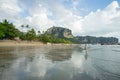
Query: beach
<point x="20" y="43"/>
<point x="7" y="43"/>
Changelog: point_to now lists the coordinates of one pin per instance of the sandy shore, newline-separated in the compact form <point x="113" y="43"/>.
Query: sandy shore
<point x="26" y="43"/>
<point x="20" y="43"/>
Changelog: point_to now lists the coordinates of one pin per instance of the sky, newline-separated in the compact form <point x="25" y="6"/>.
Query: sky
<point x="83" y="17"/>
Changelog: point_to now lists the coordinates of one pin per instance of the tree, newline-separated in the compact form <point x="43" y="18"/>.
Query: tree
<point x="22" y="27"/>
<point x="23" y="36"/>
<point x="8" y="30"/>
<point x="31" y="35"/>
<point x="5" y="21"/>
<point x="2" y="31"/>
<point x="39" y="32"/>
<point x="25" y="26"/>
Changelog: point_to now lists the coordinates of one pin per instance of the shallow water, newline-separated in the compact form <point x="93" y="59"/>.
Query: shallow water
<point x="60" y="63"/>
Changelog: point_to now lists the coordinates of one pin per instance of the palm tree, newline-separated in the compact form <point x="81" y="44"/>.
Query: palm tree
<point x="39" y="32"/>
<point x="27" y="26"/>
<point x="22" y="27"/>
<point x="5" y="21"/>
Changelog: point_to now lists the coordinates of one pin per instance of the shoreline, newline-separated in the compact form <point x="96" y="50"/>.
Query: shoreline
<point x="10" y="43"/>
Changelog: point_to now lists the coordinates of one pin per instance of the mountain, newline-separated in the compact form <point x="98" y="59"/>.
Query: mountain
<point x="64" y="33"/>
<point x="59" y="32"/>
<point x="95" y="40"/>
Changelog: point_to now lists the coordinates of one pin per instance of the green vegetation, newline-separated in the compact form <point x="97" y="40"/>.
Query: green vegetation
<point x="31" y="35"/>
<point x="8" y="31"/>
<point x="52" y="39"/>
<point x="52" y="35"/>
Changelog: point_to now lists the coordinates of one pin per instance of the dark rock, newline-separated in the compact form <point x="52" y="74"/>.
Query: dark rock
<point x="96" y="40"/>
<point x="60" y="32"/>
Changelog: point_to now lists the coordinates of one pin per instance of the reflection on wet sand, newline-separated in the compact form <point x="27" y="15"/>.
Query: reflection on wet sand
<point x="59" y="54"/>
<point x="54" y="63"/>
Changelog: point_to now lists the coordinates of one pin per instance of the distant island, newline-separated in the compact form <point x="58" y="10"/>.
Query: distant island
<point x="98" y="40"/>
<point x="52" y="35"/>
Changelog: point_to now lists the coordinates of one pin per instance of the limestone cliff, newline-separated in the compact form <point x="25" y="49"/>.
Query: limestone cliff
<point x="60" y="32"/>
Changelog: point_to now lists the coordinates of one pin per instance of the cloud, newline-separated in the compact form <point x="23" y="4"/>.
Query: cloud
<point x="9" y="8"/>
<point x="103" y="22"/>
<point x="39" y="17"/>
<point x="42" y="14"/>
<point x="75" y="3"/>
<point x="35" y="15"/>
<point x="46" y="14"/>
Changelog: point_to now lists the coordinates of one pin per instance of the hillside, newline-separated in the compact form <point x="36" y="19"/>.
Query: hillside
<point x="59" y="32"/>
<point x="96" y="40"/>
<point x="65" y="33"/>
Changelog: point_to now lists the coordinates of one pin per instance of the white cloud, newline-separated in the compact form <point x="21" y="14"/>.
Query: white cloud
<point x="64" y="17"/>
<point x="75" y="4"/>
<point x="9" y="9"/>
<point x="43" y="14"/>
<point x="103" y="22"/>
<point x="39" y="17"/>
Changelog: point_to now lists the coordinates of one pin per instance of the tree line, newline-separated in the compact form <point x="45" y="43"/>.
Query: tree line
<point x="9" y="31"/>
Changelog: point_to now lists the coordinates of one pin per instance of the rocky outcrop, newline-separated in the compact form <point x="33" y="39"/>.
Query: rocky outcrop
<point x="96" y="40"/>
<point x="60" y="32"/>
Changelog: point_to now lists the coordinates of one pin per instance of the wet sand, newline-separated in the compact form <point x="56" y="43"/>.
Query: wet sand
<point x="8" y="43"/>
<point x="20" y="43"/>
